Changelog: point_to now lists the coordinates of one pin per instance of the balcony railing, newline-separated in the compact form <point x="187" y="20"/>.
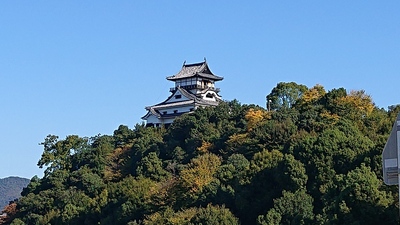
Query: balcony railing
<point x="195" y="86"/>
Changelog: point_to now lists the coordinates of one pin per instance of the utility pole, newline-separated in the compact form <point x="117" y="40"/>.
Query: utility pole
<point x="268" y="103"/>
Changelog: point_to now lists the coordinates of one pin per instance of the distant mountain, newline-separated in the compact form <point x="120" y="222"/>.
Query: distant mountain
<point x="10" y="189"/>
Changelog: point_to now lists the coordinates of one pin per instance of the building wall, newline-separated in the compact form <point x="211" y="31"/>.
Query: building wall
<point x="204" y="96"/>
<point x="180" y="109"/>
<point x="194" y="81"/>
<point x="174" y="99"/>
<point x="152" y="119"/>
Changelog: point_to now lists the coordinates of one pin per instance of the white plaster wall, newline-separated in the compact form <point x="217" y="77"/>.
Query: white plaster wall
<point x="203" y="96"/>
<point x="168" y="120"/>
<point x="173" y="99"/>
<point x="152" y="119"/>
<point x="180" y="109"/>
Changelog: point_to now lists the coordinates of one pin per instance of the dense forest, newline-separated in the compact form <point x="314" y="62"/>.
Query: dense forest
<point x="10" y="189"/>
<point x="314" y="157"/>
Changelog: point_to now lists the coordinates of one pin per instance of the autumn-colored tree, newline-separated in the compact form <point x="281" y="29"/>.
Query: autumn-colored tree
<point x="355" y="105"/>
<point x="8" y="212"/>
<point x="256" y="116"/>
<point x="200" y="172"/>
<point x="313" y="94"/>
<point x="314" y="158"/>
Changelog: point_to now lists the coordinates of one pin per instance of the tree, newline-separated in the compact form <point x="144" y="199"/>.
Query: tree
<point x="210" y="215"/>
<point x="10" y="212"/>
<point x="58" y="155"/>
<point x="255" y="116"/>
<point x="214" y="215"/>
<point x="152" y="167"/>
<point x="358" y="198"/>
<point x="285" y="95"/>
<point x="314" y="159"/>
<point x="129" y="199"/>
<point x="256" y="196"/>
<point x="123" y="136"/>
<point x="291" y="208"/>
<point x="199" y="173"/>
<point x="17" y="222"/>
<point x="170" y="217"/>
<point x="313" y="94"/>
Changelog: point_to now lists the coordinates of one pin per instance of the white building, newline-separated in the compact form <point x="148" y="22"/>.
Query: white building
<point x="194" y="87"/>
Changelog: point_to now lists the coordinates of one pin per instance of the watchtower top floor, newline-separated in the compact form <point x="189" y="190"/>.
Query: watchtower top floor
<point x="195" y="77"/>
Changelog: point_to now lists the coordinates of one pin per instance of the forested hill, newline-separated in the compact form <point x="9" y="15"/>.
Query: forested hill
<point x="10" y="189"/>
<point x="313" y="158"/>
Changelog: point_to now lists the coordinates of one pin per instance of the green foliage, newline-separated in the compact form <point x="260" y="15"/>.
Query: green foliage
<point x="214" y="215"/>
<point x="152" y="167"/>
<point x="291" y="208"/>
<point x="17" y="222"/>
<point x="358" y="198"/>
<point x="211" y="215"/>
<point x="169" y="217"/>
<point x="129" y="200"/>
<point x="285" y="95"/>
<point x="315" y="158"/>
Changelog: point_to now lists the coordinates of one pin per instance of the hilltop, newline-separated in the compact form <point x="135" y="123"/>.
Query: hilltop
<point x="312" y="157"/>
<point x="11" y="188"/>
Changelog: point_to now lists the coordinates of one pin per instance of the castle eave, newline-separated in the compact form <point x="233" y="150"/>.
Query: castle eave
<point x="195" y="70"/>
<point x="169" y="105"/>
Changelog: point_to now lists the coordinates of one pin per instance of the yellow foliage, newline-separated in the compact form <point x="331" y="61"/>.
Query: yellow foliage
<point x="360" y="101"/>
<point x="200" y="172"/>
<point x="116" y="160"/>
<point x="236" y="140"/>
<point x="205" y="146"/>
<point x="331" y="117"/>
<point x="170" y="217"/>
<point x="313" y="94"/>
<point x="255" y="116"/>
<point x="154" y="218"/>
<point x="183" y="217"/>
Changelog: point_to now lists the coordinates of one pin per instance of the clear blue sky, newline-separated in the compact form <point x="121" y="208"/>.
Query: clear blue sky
<point x="85" y="67"/>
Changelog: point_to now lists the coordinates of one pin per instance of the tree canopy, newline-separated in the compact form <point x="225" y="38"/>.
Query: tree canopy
<point x="314" y="157"/>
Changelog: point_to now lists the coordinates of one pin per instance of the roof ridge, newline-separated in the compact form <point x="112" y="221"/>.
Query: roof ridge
<point x="186" y="93"/>
<point x="195" y="64"/>
<point x="195" y="69"/>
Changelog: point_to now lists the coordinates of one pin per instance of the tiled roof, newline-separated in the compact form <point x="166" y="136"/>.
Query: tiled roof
<point x="186" y="93"/>
<point x="193" y="99"/>
<point x="195" y="69"/>
<point x="172" y="115"/>
<point x="196" y="99"/>
<point x="164" y="105"/>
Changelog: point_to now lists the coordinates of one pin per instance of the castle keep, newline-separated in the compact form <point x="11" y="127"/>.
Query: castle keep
<point x="194" y="87"/>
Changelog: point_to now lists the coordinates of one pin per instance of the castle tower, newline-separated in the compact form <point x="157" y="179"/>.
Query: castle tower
<point x="194" y="87"/>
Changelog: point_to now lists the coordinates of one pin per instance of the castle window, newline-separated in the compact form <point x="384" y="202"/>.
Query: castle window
<point x="175" y="111"/>
<point x="165" y="112"/>
<point x="178" y="96"/>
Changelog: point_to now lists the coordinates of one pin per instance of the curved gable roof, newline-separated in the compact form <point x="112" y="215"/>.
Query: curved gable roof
<point x="193" y="70"/>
